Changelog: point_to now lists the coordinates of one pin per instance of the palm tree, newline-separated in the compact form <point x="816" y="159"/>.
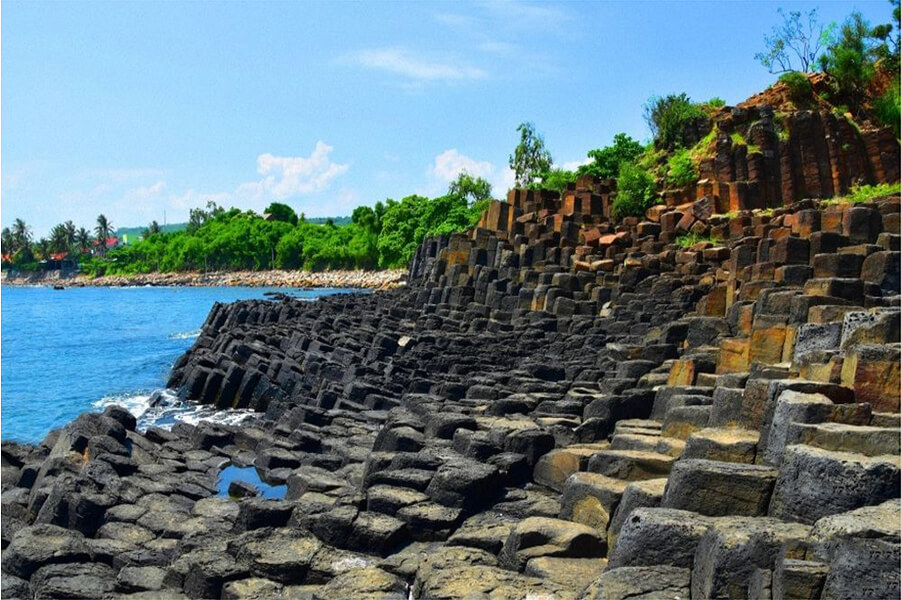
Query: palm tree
<point x="83" y="240"/>
<point x="44" y="248"/>
<point x="70" y="232"/>
<point x="152" y="229"/>
<point x="59" y="238"/>
<point x="21" y="233"/>
<point x="7" y="241"/>
<point x="103" y="229"/>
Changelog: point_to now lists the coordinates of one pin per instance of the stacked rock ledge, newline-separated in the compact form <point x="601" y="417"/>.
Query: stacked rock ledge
<point x="555" y="405"/>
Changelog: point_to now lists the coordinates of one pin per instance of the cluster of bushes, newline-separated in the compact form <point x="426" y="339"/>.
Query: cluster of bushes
<point x="383" y="236"/>
<point x="862" y="62"/>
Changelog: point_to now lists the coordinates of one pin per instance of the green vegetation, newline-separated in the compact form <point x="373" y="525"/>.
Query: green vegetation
<point x="530" y="158"/>
<point x="133" y="233"/>
<point x="605" y="162"/>
<point x="800" y="92"/>
<point x="867" y="193"/>
<point x="706" y="147"/>
<point x="281" y="212"/>
<point x="555" y="179"/>
<point x="739" y="140"/>
<point x="690" y="239"/>
<point x="714" y="103"/>
<point x="887" y="108"/>
<point x="383" y="236"/>
<point x="681" y="169"/>
<point x="858" y="58"/>
<point x="670" y="117"/>
<point x="635" y="191"/>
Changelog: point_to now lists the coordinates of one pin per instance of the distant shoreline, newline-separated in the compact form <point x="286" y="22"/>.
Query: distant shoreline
<point x="375" y="280"/>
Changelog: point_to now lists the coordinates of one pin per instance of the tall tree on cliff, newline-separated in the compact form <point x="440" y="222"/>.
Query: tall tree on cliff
<point x="103" y="229"/>
<point x="531" y="158"/>
<point x="796" y="42"/>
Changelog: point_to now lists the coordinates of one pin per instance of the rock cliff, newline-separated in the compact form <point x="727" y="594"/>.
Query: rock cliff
<point x="555" y="406"/>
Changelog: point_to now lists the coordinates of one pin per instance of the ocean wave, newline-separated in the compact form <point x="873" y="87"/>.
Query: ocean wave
<point x="186" y="335"/>
<point x="164" y="409"/>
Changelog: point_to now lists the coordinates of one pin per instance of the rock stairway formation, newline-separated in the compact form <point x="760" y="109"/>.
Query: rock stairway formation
<point x="555" y="406"/>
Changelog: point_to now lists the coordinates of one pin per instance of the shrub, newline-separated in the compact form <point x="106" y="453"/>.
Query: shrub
<point x="887" y="108"/>
<point x="799" y="89"/>
<point x="554" y="179"/>
<point x="715" y="102"/>
<point x="635" y="191"/>
<point x="864" y="193"/>
<point x="690" y="239"/>
<point x="606" y="161"/>
<point x="680" y="169"/>
<point x="669" y="118"/>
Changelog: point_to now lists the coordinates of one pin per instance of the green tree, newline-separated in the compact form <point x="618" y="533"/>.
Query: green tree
<point x="672" y="119"/>
<point x="44" y="248"/>
<point x="851" y="59"/>
<point x="7" y="241"/>
<point x="530" y="158"/>
<point x="635" y="191"/>
<point x="282" y="212"/>
<point x="83" y="240"/>
<point x="397" y="240"/>
<point x="59" y="238"/>
<point x="605" y="161"/>
<point x="152" y="229"/>
<point x="21" y="233"/>
<point x="103" y="230"/>
<point x="555" y="179"/>
<point x="796" y="42"/>
<point x="681" y="169"/>
<point x="471" y="189"/>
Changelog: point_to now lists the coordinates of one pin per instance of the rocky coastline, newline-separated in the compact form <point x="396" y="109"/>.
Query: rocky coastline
<point x="556" y="405"/>
<point x="374" y="280"/>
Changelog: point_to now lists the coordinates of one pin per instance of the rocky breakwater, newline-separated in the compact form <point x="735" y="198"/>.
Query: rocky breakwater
<point x="376" y="280"/>
<point x="556" y="406"/>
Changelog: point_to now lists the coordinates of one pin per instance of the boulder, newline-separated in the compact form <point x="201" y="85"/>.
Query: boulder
<point x="716" y="488"/>
<point x="540" y="536"/>
<point x="40" y="545"/>
<point x="658" y="536"/>
<point x="283" y="558"/>
<point x="640" y="583"/>
<point x="74" y="580"/>
<point x="814" y="483"/>
<point x="733" y="547"/>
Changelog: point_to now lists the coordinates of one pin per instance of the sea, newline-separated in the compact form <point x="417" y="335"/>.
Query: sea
<point x="64" y="352"/>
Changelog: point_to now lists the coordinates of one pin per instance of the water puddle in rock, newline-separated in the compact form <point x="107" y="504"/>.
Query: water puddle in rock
<point x="248" y="475"/>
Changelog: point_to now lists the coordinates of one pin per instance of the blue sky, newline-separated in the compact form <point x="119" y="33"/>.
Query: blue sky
<point x="135" y="109"/>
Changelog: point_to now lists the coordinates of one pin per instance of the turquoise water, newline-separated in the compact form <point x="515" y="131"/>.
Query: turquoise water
<point x="63" y="352"/>
<point x="248" y="475"/>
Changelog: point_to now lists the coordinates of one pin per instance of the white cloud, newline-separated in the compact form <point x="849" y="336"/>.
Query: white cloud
<point x="450" y="163"/>
<point x="287" y="176"/>
<point x="574" y="164"/>
<point x="194" y="199"/>
<point x="145" y="193"/>
<point x="283" y="177"/>
<point x="408" y="64"/>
